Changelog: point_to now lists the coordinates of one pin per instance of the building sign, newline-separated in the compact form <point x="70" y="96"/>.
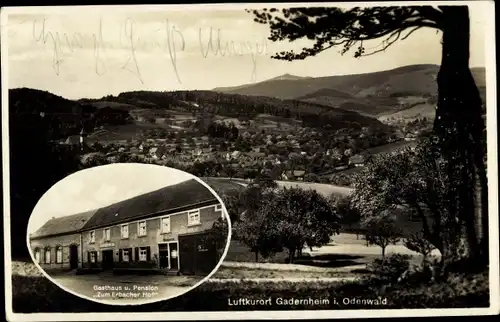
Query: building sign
<point x="165" y="238"/>
<point x="106" y="245"/>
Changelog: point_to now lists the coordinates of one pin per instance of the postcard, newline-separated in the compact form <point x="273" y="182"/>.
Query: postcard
<point x="255" y="161"/>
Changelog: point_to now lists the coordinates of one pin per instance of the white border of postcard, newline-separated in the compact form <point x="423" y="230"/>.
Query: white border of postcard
<point x="494" y="274"/>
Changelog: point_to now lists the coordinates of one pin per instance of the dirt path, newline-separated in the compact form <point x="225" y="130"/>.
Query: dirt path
<point x="278" y="280"/>
<point x="291" y="267"/>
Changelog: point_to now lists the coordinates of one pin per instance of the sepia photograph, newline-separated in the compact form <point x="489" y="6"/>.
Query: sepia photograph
<point x="93" y="241"/>
<point x="351" y="146"/>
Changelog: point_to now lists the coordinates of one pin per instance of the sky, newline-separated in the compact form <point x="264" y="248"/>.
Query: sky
<point x="101" y="186"/>
<point x="87" y="52"/>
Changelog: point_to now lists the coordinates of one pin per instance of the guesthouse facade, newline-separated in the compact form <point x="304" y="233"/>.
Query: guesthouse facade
<point x="167" y="229"/>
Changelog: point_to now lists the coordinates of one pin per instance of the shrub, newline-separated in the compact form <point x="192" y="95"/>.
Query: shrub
<point x="391" y="268"/>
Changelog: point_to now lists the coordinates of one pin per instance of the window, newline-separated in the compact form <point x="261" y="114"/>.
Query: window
<point x="143" y="254"/>
<point x="165" y="225"/>
<point x="93" y="257"/>
<point x="142" y="228"/>
<point x="125" y="255"/>
<point x="124" y="230"/>
<point x="59" y="254"/>
<point x="107" y="234"/>
<point x="37" y="256"/>
<point x="218" y="207"/>
<point x="92" y="236"/>
<point x="47" y="256"/>
<point x="194" y="217"/>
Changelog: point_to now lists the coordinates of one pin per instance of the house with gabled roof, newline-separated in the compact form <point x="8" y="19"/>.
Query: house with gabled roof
<point x="167" y="229"/>
<point x="57" y="244"/>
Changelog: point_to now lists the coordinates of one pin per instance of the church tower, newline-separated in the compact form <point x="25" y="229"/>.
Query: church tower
<point x="83" y="138"/>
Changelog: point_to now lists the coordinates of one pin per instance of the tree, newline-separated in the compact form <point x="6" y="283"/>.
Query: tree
<point x="381" y="230"/>
<point x="230" y="171"/>
<point x="349" y="215"/>
<point x="36" y="164"/>
<point x="264" y="181"/>
<point x="256" y="229"/>
<point x="418" y="243"/>
<point x="218" y="235"/>
<point x="458" y="123"/>
<point x="303" y="217"/>
<point x="419" y="180"/>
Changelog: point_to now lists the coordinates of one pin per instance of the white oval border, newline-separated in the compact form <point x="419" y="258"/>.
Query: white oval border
<point x="114" y="302"/>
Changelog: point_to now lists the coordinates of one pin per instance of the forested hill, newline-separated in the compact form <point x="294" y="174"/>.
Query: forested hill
<point x="58" y="116"/>
<point x="243" y="107"/>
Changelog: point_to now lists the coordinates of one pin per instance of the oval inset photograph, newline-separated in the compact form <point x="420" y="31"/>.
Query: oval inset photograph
<point x="129" y="233"/>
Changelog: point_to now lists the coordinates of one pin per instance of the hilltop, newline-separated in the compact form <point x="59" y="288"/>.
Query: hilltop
<point x="148" y="104"/>
<point x="129" y="113"/>
<point x="377" y="93"/>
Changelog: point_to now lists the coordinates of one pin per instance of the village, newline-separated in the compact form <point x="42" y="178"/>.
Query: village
<point x="296" y="154"/>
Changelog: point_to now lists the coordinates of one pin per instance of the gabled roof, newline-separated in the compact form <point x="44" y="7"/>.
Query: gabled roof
<point x="174" y="198"/>
<point x="73" y="140"/>
<point x="63" y="225"/>
<point x="358" y="158"/>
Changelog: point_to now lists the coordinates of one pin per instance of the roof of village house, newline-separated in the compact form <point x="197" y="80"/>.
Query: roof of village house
<point x="63" y="225"/>
<point x="358" y="158"/>
<point x="73" y="140"/>
<point x="174" y="198"/>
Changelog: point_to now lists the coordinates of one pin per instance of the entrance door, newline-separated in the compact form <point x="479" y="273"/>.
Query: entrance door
<point x="163" y="255"/>
<point x="73" y="256"/>
<point x="174" y="255"/>
<point x="107" y="259"/>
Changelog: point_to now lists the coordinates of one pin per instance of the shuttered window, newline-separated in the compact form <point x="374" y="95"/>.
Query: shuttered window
<point x="142" y="254"/>
<point x="125" y="255"/>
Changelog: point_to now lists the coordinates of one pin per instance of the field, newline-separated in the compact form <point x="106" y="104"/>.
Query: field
<point x="225" y="186"/>
<point x="322" y="188"/>
<point x="237" y="183"/>
<point x="391" y="147"/>
<point x="418" y="111"/>
<point x="344" y="250"/>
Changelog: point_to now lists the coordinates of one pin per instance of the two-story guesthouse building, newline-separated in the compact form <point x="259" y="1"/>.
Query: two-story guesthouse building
<point x="166" y="229"/>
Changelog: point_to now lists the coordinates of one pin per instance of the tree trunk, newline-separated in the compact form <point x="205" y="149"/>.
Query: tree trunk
<point x="291" y="255"/>
<point x="459" y="123"/>
<point x="256" y="256"/>
<point x="383" y="251"/>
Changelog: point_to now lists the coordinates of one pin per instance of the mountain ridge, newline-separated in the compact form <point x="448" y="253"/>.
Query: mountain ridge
<point x="373" y="93"/>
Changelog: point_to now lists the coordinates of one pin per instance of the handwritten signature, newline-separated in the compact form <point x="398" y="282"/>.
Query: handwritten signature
<point x="216" y="46"/>
<point x="170" y="42"/>
<point x="63" y="44"/>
